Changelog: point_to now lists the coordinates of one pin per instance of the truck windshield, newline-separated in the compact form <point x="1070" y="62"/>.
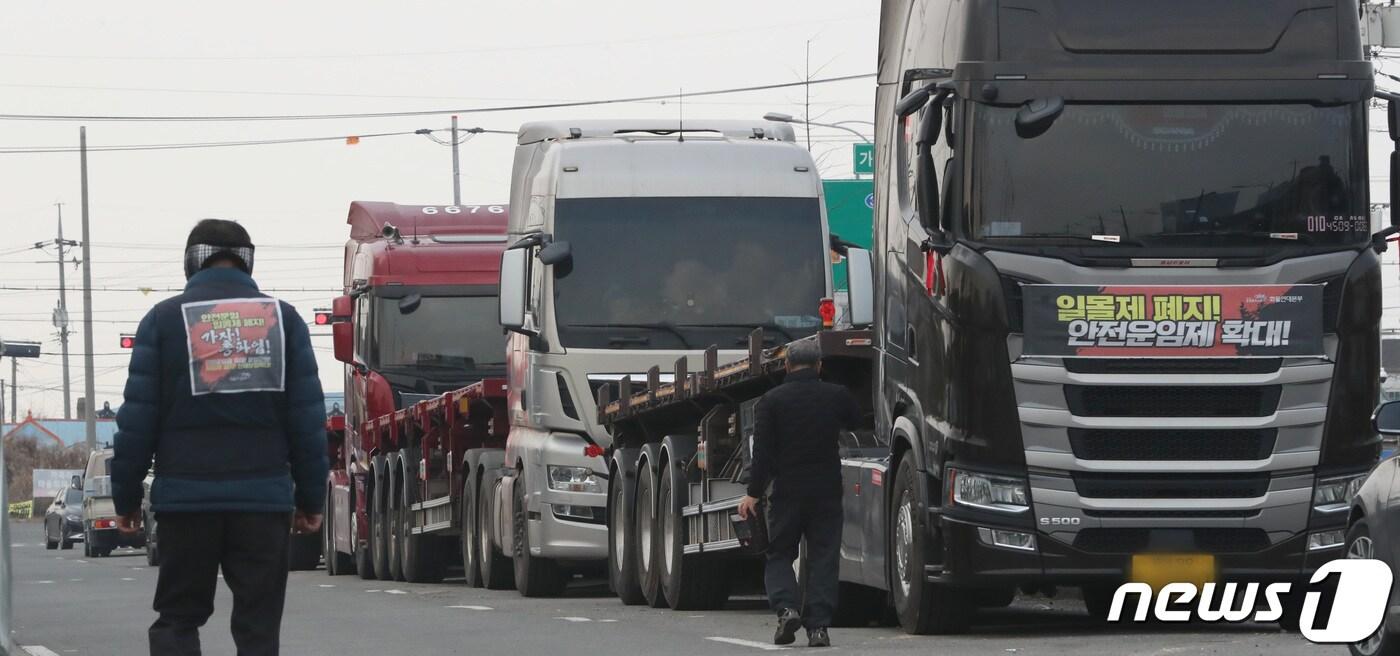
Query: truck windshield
<point x="688" y="272"/>
<point x="447" y="337"/>
<point x="1172" y="176"/>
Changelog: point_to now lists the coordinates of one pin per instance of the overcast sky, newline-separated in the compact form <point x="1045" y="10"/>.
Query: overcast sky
<point x="307" y="57"/>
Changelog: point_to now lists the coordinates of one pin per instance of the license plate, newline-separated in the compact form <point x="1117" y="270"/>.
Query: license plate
<point x="1159" y="569"/>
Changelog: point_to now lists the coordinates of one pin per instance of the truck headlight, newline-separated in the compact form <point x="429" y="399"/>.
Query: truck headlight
<point x="1334" y="494"/>
<point x="988" y="492"/>
<point x="575" y="479"/>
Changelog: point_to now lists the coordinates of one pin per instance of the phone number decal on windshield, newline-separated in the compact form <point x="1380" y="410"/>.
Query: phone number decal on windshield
<point x="1339" y="223"/>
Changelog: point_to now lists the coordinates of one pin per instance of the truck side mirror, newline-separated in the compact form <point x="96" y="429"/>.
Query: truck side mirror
<point x="1036" y="116"/>
<point x="342" y="331"/>
<point x="1393" y="119"/>
<point x="860" y="287"/>
<point x="515" y="289"/>
<point x="557" y="252"/>
<point x="1386" y="419"/>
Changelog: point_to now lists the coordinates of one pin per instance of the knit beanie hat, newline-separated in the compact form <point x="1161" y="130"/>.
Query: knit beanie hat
<point x="218" y="237"/>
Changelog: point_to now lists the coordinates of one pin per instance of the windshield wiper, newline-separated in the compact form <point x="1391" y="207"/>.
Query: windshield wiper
<point x="766" y="326"/>
<point x="1299" y="237"/>
<point x="1101" y="241"/>
<point x="660" y="325"/>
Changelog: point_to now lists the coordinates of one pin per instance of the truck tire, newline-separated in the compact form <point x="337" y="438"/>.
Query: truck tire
<point x="534" y="577"/>
<point x="379" y="521"/>
<point x="648" y="544"/>
<point x="337" y="563"/>
<point x="360" y="554"/>
<point x="471" y="562"/>
<point x="922" y="607"/>
<point x="423" y="560"/>
<point x="685" y="580"/>
<point x="622" y="539"/>
<point x="393" y="516"/>
<point x="496" y="572"/>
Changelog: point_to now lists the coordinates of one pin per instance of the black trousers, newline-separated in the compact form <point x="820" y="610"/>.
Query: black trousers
<point x="818" y="519"/>
<point x="250" y="548"/>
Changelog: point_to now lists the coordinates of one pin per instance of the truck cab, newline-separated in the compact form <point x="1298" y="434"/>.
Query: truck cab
<point x="417" y="320"/>
<point x="635" y="244"/>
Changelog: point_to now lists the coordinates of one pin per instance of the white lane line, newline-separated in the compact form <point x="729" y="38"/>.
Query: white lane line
<point x="127" y="579"/>
<point x="75" y="580"/>
<point x="574" y="619"/>
<point x="39" y="650"/>
<point x="747" y="643"/>
<point x="607" y="620"/>
<point x="374" y="590"/>
<point x="39" y="582"/>
<point x="395" y="592"/>
<point x="473" y="607"/>
<point x="80" y="560"/>
<point x="326" y="585"/>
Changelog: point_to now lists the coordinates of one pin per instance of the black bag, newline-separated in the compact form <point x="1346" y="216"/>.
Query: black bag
<point x="752" y="532"/>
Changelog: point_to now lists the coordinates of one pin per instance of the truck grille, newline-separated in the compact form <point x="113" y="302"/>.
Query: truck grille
<point x="1171" y="486"/>
<point x="1172" y="400"/>
<point x="1160" y="444"/>
<point x="1137" y="540"/>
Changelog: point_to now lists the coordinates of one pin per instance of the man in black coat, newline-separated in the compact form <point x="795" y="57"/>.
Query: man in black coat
<point x="796" y="449"/>
<point x="224" y="395"/>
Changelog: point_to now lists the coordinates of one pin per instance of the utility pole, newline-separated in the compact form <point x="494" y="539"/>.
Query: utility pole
<point x="807" y="95"/>
<point x="89" y="384"/>
<point x="60" y="314"/>
<point x="456" y="172"/>
<point x="14" y="390"/>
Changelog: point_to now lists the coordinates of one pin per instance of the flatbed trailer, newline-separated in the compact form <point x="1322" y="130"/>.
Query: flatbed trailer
<point x="681" y="452"/>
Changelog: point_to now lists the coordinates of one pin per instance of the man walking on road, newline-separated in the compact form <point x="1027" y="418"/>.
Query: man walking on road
<point x="223" y="392"/>
<point x="796" y="448"/>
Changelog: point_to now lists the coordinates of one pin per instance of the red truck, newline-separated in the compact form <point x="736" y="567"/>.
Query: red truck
<point x="424" y="363"/>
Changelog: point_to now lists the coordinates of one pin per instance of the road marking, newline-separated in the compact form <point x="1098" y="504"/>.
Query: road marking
<point x="74" y="580"/>
<point x="38" y="582"/>
<point x="574" y="619"/>
<point x="80" y="560"/>
<point x="326" y="585"/>
<point x="395" y="592"/>
<point x="607" y="620"/>
<point x="127" y="579"/>
<point x="473" y="607"/>
<point x="375" y="590"/>
<point x="747" y="643"/>
<point x="39" y="650"/>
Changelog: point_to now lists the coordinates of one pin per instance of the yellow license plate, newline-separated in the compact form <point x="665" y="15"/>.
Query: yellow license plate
<point x="1159" y="569"/>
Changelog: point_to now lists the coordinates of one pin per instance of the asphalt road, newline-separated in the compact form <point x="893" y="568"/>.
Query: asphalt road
<point x="67" y="604"/>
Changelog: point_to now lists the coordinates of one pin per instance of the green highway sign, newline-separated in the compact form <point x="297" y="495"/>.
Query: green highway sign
<point x="863" y="158"/>
<point x="850" y="213"/>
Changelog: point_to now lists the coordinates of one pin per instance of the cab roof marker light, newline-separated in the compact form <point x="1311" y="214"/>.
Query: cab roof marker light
<point x="1331" y="76"/>
<point x="801" y="169"/>
<point x="571" y="169"/>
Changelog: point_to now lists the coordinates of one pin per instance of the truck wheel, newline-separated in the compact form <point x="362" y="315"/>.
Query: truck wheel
<point x="534" y="577"/>
<point x="337" y="563"/>
<point x="684" y="581"/>
<point x="496" y="572"/>
<point x="379" y="521"/>
<point x="648" y="546"/>
<point x="921" y="609"/>
<point x="422" y="557"/>
<point x="87" y="544"/>
<point x="152" y="542"/>
<point x="361" y="554"/>
<point x="65" y="542"/>
<point x="622" y="541"/>
<point x="471" y="565"/>
<point x="393" y="515"/>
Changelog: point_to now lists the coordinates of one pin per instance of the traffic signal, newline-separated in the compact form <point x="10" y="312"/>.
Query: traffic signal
<point x="128" y="341"/>
<point x="323" y="317"/>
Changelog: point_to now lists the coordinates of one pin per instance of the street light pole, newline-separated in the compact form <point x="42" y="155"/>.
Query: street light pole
<point x="785" y="118"/>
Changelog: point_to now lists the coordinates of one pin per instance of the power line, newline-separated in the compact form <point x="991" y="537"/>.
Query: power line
<point x="30" y="150"/>
<point x="665" y="38"/>
<point x="437" y="112"/>
<point x="41" y="288"/>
